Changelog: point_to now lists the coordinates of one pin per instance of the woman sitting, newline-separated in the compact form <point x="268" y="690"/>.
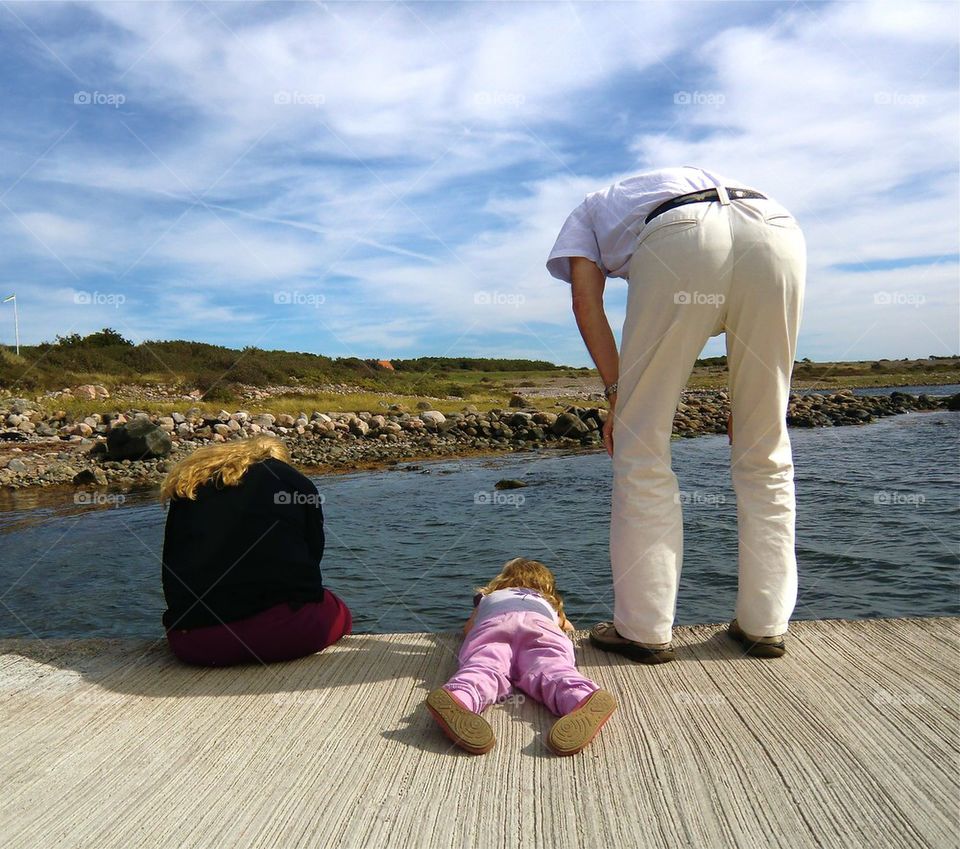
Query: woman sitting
<point x="241" y="558"/>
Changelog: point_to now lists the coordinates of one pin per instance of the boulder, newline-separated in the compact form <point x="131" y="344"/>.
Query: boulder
<point x="16" y="465"/>
<point x="432" y="417"/>
<point x="953" y="403"/>
<point x="90" y="476"/>
<point x="89" y="392"/>
<point x="569" y="424"/>
<point x="509" y="483"/>
<point x="517" y="400"/>
<point x="136" y="440"/>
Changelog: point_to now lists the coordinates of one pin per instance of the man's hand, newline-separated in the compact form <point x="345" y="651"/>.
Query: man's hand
<point x="608" y="425"/>
<point x="587" y="283"/>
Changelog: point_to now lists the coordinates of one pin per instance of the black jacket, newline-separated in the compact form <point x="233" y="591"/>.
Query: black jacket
<point x="242" y="549"/>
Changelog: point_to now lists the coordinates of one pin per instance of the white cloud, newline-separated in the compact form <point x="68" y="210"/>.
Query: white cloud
<point x="426" y="153"/>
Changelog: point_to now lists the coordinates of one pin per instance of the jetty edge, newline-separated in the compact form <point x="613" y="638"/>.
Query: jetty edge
<point x="849" y="740"/>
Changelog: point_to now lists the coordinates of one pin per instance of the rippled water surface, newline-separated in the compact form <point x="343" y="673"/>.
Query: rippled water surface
<point x="877" y="536"/>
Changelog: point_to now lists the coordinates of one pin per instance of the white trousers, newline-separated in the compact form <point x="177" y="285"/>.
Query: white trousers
<point x="735" y="267"/>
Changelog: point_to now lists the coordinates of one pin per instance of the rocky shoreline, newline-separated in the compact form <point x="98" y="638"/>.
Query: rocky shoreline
<point x="41" y="448"/>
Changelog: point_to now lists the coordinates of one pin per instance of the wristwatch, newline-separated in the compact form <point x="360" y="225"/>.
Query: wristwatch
<point x="610" y="390"/>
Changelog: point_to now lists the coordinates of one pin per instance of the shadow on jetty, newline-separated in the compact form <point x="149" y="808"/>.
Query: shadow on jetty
<point x="148" y="668"/>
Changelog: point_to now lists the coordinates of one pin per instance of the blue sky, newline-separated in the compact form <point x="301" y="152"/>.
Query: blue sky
<point x="386" y="179"/>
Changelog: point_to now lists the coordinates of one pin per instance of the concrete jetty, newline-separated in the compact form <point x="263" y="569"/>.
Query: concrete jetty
<point x="849" y="740"/>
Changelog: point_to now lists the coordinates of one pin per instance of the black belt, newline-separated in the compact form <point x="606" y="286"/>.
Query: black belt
<point x="701" y="197"/>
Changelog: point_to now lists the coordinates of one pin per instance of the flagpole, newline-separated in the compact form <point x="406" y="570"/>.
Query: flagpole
<point x="16" y="319"/>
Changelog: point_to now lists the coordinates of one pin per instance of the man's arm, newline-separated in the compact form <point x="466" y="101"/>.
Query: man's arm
<point x="587" y="283"/>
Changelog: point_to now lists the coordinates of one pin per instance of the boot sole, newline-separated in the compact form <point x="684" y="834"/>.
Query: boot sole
<point x="470" y="731"/>
<point x="754" y="649"/>
<point x="572" y="733"/>
<point x="631" y="651"/>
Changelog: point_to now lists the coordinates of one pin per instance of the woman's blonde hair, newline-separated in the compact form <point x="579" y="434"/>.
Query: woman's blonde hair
<point x="527" y="574"/>
<point x="225" y="464"/>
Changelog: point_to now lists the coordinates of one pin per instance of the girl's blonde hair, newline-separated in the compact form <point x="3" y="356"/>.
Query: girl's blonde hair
<point x="225" y="464"/>
<point x="527" y="574"/>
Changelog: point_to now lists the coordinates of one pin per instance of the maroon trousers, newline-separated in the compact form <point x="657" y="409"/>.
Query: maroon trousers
<point x="278" y="633"/>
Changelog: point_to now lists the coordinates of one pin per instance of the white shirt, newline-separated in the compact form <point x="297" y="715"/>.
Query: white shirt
<point x="604" y="228"/>
<point x="514" y="600"/>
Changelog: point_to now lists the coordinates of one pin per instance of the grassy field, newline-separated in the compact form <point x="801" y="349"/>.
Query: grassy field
<point x="155" y="376"/>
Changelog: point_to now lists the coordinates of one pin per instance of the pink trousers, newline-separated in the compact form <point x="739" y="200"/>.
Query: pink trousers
<point x="526" y="650"/>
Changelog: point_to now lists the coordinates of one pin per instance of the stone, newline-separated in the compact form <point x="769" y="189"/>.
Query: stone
<point x="953" y="403"/>
<point x="136" y="440"/>
<point x="517" y="401"/>
<point x="547" y="419"/>
<point x="359" y="427"/>
<point x="16" y="465"/>
<point x="569" y="424"/>
<point x="167" y="423"/>
<point x="509" y="483"/>
<point x="90" y="476"/>
<point x="432" y="417"/>
<point x="423" y="405"/>
<point x="286" y="420"/>
<point x="90" y="392"/>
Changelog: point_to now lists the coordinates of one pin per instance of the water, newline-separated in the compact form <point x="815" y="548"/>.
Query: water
<point x="944" y="389"/>
<point x="877" y="536"/>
